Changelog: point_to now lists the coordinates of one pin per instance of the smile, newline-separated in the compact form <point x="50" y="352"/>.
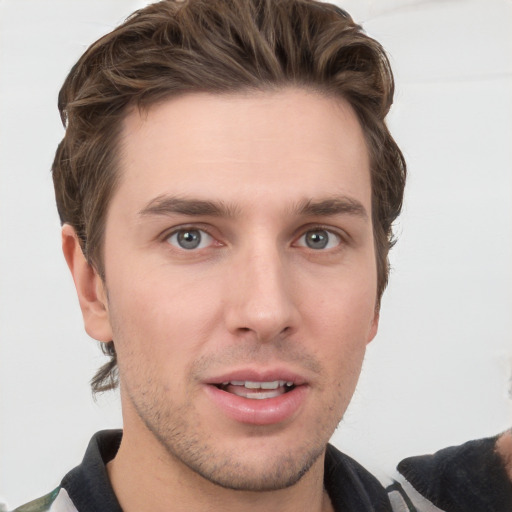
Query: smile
<point x="257" y="390"/>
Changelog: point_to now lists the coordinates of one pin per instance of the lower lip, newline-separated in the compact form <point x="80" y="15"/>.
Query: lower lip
<point x="268" y="411"/>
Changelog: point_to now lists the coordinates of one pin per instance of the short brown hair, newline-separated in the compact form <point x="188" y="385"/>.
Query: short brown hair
<point x="220" y="46"/>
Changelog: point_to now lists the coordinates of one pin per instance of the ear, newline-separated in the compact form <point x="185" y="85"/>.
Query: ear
<point x="89" y="286"/>
<point x="374" y="326"/>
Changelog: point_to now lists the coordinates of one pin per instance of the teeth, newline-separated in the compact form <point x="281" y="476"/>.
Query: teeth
<point x="263" y="395"/>
<point x="252" y="385"/>
<point x="257" y="395"/>
<point x="258" y="390"/>
<point x="259" y="385"/>
<point x="270" y="385"/>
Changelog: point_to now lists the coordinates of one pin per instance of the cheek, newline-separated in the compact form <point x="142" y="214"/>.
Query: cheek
<point x="341" y="324"/>
<point x="159" y="317"/>
<point x="346" y="308"/>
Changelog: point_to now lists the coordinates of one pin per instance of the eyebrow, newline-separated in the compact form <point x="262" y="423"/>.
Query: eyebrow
<point x="332" y="206"/>
<point x="168" y="205"/>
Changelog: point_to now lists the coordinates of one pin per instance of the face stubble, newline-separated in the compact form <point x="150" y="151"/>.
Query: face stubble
<point x="189" y="442"/>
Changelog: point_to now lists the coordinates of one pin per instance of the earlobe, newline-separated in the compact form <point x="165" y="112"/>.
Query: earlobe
<point x="374" y="326"/>
<point x="89" y="287"/>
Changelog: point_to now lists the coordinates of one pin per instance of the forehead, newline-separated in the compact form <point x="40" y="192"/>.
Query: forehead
<point x="290" y="142"/>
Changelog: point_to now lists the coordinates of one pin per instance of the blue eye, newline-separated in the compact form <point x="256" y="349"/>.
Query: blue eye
<point x="319" y="239"/>
<point x="190" y="239"/>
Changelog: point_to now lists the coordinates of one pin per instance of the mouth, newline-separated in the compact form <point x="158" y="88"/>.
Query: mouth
<point x="258" y="397"/>
<point x="257" y="390"/>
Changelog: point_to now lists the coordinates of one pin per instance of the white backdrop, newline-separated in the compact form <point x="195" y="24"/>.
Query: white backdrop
<point x="438" y="371"/>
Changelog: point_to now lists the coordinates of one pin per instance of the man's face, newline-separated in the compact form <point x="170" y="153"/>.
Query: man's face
<point x="241" y="280"/>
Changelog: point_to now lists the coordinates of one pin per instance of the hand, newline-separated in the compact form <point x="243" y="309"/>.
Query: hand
<point x="504" y="450"/>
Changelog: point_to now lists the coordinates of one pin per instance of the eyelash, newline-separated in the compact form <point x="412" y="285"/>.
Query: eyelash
<point x="183" y="229"/>
<point x="319" y="228"/>
<point x="340" y="238"/>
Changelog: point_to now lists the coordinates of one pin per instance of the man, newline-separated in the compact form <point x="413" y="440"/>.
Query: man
<point x="227" y="186"/>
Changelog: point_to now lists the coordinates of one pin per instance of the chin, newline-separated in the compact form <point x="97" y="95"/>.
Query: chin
<point x="278" y="471"/>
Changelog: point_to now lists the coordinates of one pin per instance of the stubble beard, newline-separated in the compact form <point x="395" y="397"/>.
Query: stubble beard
<point x="190" y="443"/>
<point x="192" y="447"/>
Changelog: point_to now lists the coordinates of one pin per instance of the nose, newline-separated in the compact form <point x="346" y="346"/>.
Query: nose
<point x="261" y="295"/>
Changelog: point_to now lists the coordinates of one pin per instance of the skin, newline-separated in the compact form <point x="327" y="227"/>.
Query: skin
<point x="504" y="450"/>
<point x="252" y="297"/>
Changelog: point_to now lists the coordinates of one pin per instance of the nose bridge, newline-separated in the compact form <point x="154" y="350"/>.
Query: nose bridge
<point x="262" y="296"/>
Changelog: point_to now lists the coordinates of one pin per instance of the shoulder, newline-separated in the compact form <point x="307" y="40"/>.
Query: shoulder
<point x="55" y="501"/>
<point x="470" y="476"/>
<point x="86" y="487"/>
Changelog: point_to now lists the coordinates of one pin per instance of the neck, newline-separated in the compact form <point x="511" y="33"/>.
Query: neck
<point x="146" y="478"/>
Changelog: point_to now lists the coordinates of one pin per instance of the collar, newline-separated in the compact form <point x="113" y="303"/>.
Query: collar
<point x="349" y="485"/>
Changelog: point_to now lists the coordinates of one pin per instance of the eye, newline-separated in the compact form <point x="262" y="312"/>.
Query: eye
<point x="319" y="239"/>
<point x="190" y="239"/>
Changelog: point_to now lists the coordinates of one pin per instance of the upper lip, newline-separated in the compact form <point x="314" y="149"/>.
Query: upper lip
<point x="258" y="375"/>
